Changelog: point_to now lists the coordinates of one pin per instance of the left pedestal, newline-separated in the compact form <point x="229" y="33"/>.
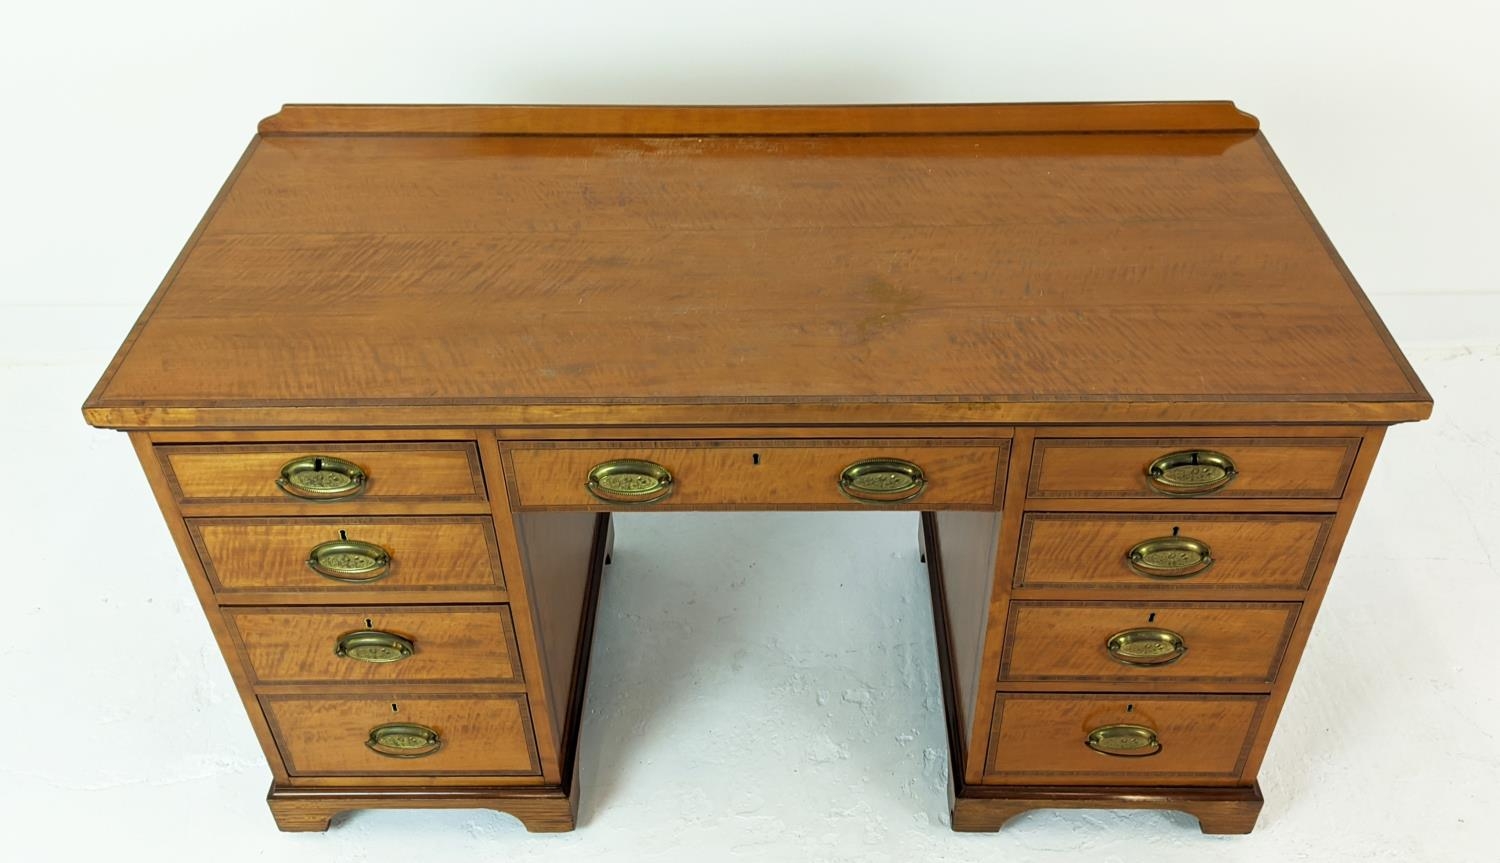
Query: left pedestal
<point x="399" y="637"/>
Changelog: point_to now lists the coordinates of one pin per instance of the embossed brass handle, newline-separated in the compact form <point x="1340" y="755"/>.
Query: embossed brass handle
<point x="1169" y="557"/>
<point x="882" y="480"/>
<point x="372" y="645"/>
<point x="1131" y="741"/>
<point x="1146" y="646"/>
<point x="321" y="477"/>
<point x="403" y="740"/>
<point x="350" y="561"/>
<point x="1190" y="472"/>
<point x="629" y="481"/>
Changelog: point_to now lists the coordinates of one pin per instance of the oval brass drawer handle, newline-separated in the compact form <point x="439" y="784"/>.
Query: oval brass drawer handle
<point x="372" y="645"/>
<point x="629" y="481"/>
<point x="1130" y="741"/>
<point x="1190" y="472"/>
<point x="403" y="740"/>
<point x="321" y="477"/>
<point x="350" y="561"/>
<point x="1169" y="557"/>
<point x="1146" y="646"/>
<point x="882" y="480"/>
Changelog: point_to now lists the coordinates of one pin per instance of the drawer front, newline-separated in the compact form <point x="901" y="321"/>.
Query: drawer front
<point x="1239" y="552"/>
<point x="1044" y="739"/>
<point x="477" y="734"/>
<point x="337" y="555"/>
<point x="764" y="475"/>
<point x="439" y="471"/>
<point x="1121" y="468"/>
<point x="1124" y="642"/>
<point x="443" y="644"/>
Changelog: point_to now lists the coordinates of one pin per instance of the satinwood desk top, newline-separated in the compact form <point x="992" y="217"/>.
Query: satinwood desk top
<point x="476" y="265"/>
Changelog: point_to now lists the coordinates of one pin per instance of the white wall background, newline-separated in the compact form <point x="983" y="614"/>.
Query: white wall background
<point x="120" y="120"/>
<point x="123" y="118"/>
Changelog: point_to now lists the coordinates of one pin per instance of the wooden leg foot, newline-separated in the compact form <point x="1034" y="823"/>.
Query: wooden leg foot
<point x="1218" y="810"/>
<point x="1226" y="819"/>
<point x="294" y="817"/>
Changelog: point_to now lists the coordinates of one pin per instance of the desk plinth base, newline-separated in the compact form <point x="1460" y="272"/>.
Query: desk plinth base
<point x="540" y="810"/>
<point x="982" y="809"/>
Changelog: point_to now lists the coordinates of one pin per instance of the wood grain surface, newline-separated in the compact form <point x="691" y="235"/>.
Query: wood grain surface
<point x="1227" y="642"/>
<point x="975" y="258"/>
<point x="483" y="735"/>
<point x="1039" y="739"/>
<point x="451" y="644"/>
<point x="1271" y="467"/>
<point x="759" y="474"/>
<point x="1089" y="550"/>
<point x="213" y="473"/>
<point x="439" y="553"/>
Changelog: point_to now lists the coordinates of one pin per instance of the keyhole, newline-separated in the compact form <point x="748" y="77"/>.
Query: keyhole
<point x="1151" y="619"/>
<point x="369" y="625"/>
<point x="343" y="534"/>
<point x="755" y="458"/>
<point x="393" y="707"/>
<point x="1129" y="708"/>
<point x="1175" y="529"/>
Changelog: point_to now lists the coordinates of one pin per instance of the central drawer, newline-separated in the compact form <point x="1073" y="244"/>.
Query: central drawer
<point x="924" y="474"/>
<point x="1124" y="642"/>
<point x="422" y="644"/>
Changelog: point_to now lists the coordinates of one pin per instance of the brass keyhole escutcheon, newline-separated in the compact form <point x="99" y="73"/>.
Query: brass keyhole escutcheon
<point x="321" y="477"/>
<point x="1190" y="473"/>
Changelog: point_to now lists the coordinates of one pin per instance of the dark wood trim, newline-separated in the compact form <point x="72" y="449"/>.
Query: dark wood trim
<point x="829" y="411"/>
<point x="702" y="120"/>
<point x="603" y="548"/>
<point x="932" y="552"/>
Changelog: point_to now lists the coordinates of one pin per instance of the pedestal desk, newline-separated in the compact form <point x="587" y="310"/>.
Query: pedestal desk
<point x="414" y="356"/>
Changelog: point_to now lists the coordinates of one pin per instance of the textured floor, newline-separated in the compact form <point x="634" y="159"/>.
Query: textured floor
<point x="764" y="687"/>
